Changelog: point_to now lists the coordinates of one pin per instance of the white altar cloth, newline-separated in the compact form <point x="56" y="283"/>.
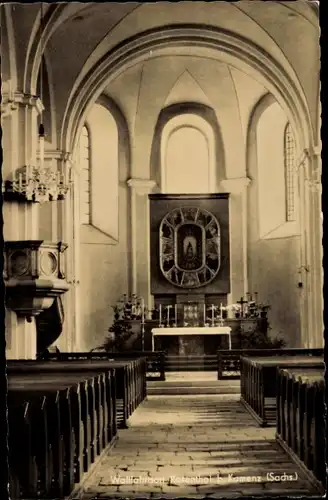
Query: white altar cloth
<point x="198" y="330"/>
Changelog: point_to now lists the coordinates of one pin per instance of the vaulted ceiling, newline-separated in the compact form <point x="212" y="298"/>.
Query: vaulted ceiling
<point x="77" y="36"/>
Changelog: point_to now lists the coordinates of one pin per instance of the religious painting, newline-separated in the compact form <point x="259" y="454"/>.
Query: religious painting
<point x="189" y="247"/>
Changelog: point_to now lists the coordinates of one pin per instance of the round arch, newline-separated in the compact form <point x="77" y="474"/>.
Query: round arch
<point x="195" y="40"/>
<point x="205" y="121"/>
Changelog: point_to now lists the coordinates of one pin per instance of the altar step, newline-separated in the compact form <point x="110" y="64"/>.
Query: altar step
<point x="207" y="362"/>
<point x="194" y="383"/>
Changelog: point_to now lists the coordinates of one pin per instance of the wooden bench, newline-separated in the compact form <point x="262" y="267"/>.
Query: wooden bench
<point x="61" y="429"/>
<point x="130" y="382"/>
<point x="228" y="361"/>
<point x="155" y="360"/>
<point x="78" y="405"/>
<point x="259" y="382"/>
<point x="98" y="403"/>
<point x="300" y="419"/>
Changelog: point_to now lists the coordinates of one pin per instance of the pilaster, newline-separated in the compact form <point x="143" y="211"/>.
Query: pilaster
<point x="140" y="244"/>
<point x="237" y="187"/>
<point x="314" y="239"/>
<point x="311" y="271"/>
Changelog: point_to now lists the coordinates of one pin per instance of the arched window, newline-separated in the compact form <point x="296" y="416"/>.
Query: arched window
<point x="85" y="191"/>
<point x="188" y="155"/>
<point x="289" y="159"/>
<point x="99" y="175"/>
<point x="275" y="174"/>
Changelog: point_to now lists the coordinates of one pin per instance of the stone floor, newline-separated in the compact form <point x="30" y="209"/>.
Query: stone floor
<point x="194" y="447"/>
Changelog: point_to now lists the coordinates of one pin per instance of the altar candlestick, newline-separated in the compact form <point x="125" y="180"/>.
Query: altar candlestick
<point x="160" y="314"/>
<point x="213" y="314"/>
<point x="168" y="315"/>
<point x="142" y="310"/>
<point x="221" y="311"/>
<point x="175" y="314"/>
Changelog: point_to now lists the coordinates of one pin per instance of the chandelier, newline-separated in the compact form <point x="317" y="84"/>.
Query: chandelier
<point x="40" y="183"/>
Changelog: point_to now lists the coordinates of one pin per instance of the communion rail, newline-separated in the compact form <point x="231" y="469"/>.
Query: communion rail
<point x="62" y="415"/>
<point x="155" y="360"/>
<point x="228" y="361"/>
<point x="301" y="420"/>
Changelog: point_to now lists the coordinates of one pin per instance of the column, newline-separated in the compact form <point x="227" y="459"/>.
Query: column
<point x="20" y="135"/>
<point x="237" y="188"/>
<point x="68" y="231"/>
<point x="140" y="237"/>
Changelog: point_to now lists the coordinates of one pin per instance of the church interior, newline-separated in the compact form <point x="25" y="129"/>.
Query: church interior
<point x="162" y="228"/>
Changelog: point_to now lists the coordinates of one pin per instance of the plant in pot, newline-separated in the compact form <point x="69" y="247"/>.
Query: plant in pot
<point x="119" y="333"/>
<point x="258" y="339"/>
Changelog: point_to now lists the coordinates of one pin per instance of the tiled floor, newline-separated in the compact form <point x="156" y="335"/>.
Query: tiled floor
<point x="194" y="447"/>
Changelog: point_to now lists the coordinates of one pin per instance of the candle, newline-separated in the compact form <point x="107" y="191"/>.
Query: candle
<point x="175" y="314"/>
<point x="221" y="311"/>
<point x="143" y="310"/>
<point x="160" y="314"/>
<point x="212" y="314"/>
<point x="41" y="151"/>
<point x="168" y="315"/>
<point x="204" y="314"/>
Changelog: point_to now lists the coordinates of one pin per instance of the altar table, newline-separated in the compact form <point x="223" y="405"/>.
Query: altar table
<point x="198" y="330"/>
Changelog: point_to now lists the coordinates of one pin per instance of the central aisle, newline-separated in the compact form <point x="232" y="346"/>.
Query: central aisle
<point x="194" y="446"/>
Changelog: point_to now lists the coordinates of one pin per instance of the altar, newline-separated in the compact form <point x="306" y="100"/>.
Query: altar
<point x="199" y="330"/>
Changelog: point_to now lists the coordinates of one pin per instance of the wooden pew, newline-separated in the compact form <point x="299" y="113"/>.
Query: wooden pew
<point x="24" y="419"/>
<point x="300" y="419"/>
<point x="82" y="412"/>
<point x="68" y="427"/>
<point x="228" y="360"/>
<point x="259" y="382"/>
<point x="155" y="360"/>
<point x="106" y="392"/>
<point x="131" y="380"/>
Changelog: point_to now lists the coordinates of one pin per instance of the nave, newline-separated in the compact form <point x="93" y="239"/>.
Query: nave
<point x="179" y="445"/>
<point x="86" y="426"/>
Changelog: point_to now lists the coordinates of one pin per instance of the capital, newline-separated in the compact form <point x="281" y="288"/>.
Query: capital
<point x="141" y="186"/>
<point x="12" y="99"/>
<point x="235" y="185"/>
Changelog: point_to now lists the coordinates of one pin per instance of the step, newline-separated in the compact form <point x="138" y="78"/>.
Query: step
<point x="193" y="383"/>
<point x="194" y="387"/>
<point x="175" y="390"/>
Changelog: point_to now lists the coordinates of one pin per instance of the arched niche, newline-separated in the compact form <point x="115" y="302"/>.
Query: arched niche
<point x="109" y="165"/>
<point x="200" y="118"/>
<point x="266" y="166"/>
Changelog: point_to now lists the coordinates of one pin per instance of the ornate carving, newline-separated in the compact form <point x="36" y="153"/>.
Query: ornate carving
<point x="48" y="263"/>
<point x="189" y="247"/>
<point x="19" y="262"/>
